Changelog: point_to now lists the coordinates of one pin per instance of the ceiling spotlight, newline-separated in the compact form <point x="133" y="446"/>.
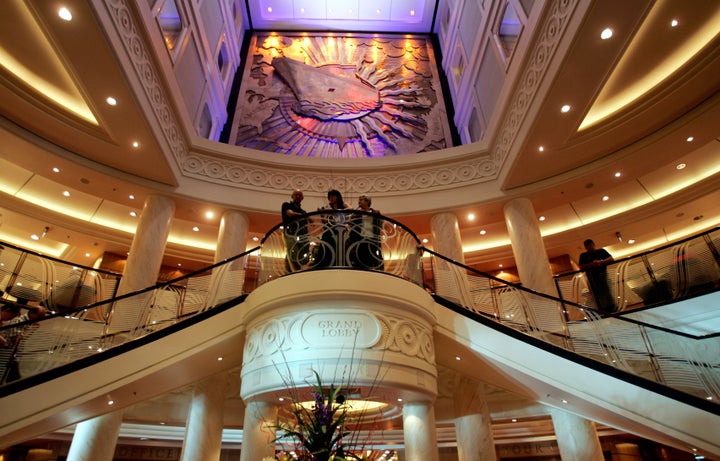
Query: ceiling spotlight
<point x="689" y="139"/>
<point x="606" y="34"/>
<point x="65" y="14"/>
<point x="619" y="236"/>
<point x="674" y="23"/>
<point x="111" y="101"/>
<point x="45" y="231"/>
<point x="680" y="166"/>
<point x="564" y="109"/>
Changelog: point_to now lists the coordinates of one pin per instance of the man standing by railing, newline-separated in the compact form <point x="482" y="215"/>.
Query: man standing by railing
<point x="295" y="231"/>
<point x="594" y="262"/>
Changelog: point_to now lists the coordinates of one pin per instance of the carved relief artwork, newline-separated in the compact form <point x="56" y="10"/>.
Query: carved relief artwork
<point x="348" y="96"/>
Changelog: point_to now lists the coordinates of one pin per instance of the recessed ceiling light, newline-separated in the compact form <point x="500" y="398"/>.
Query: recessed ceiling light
<point x="196" y="229"/>
<point x="631" y="241"/>
<point x="680" y="166"/>
<point x="689" y="139"/>
<point x="606" y="33"/>
<point x="399" y="399"/>
<point x="56" y="170"/>
<point x="133" y="214"/>
<point x="87" y="255"/>
<point x="111" y="402"/>
<point x="412" y="12"/>
<point x="605" y="198"/>
<point x="514" y="420"/>
<point x="541" y="149"/>
<point x="471" y="216"/>
<point x="425" y="240"/>
<point x="35" y="237"/>
<point x="565" y="108"/>
<point x="500" y="265"/>
<point x="269" y="9"/>
<point x="457" y="357"/>
<point x="256" y="238"/>
<point x="132" y="197"/>
<point x="65" y="14"/>
<point x="618" y="174"/>
<point x="674" y="23"/>
<point x="541" y="218"/>
<point x="111" y="101"/>
<point x="135" y="144"/>
<point x="302" y="10"/>
<point x="483" y="232"/>
<point x="377" y="11"/>
<point x="209" y="214"/>
<point x="66" y="193"/>
<point x="220" y="359"/>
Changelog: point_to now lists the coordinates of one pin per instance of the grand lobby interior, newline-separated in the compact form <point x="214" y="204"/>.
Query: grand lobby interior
<point x="601" y="116"/>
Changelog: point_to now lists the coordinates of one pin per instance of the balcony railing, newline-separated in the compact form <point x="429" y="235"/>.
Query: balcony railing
<point x="681" y="361"/>
<point x="672" y="272"/>
<point x="676" y="360"/>
<point x="342" y="239"/>
<point x="67" y="334"/>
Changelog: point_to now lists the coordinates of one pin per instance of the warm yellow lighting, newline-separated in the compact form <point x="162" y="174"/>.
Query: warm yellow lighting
<point x="565" y="109"/>
<point x="56" y="170"/>
<point x="605" y="198"/>
<point x="209" y="214"/>
<point x="606" y="34"/>
<point x="541" y="149"/>
<point x="689" y="139"/>
<point x="619" y="93"/>
<point x="53" y="81"/>
<point x="65" y="14"/>
<point x="541" y="218"/>
<point x="111" y="101"/>
<point x="471" y="216"/>
<point x="196" y="229"/>
<point x="353" y="406"/>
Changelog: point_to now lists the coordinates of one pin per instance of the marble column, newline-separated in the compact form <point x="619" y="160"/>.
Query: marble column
<point x="95" y="439"/>
<point x="473" y="425"/>
<point x="227" y="280"/>
<point x="446" y="236"/>
<point x="528" y="247"/>
<point x="576" y="437"/>
<point x="144" y="261"/>
<point x="204" y="426"/>
<point x="258" y="434"/>
<point x="232" y="236"/>
<point x="419" y="431"/>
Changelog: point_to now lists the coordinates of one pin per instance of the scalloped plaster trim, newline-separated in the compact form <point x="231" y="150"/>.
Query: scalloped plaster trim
<point x="233" y="172"/>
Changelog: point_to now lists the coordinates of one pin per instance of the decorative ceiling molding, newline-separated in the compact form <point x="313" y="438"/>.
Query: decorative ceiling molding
<point x="413" y="176"/>
<point x="552" y="30"/>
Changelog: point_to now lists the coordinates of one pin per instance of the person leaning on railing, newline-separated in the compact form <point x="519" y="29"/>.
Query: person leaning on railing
<point x="594" y="262"/>
<point x="364" y="242"/>
<point x="295" y="232"/>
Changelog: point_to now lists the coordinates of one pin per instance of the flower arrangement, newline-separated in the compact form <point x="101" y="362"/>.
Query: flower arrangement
<point x="318" y="431"/>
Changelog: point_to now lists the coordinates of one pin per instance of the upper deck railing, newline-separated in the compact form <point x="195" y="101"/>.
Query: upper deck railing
<point x="677" y="360"/>
<point x="341" y="239"/>
<point x="671" y="272"/>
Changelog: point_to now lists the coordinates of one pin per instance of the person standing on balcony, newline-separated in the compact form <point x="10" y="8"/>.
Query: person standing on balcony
<point x="594" y="262"/>
<point x="331" y="249"/>
<point x="365" y="244"/>
<point x="295" y="232"/>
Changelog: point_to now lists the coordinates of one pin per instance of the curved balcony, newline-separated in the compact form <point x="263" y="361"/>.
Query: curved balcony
<point x="341" y="239"/>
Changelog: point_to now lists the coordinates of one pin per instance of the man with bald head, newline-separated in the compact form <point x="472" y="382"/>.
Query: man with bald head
<point x="295" y="232"/>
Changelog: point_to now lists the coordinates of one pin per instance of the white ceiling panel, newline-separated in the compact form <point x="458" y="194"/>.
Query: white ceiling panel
<point x="620" y="199"/>
<point x="12" y="177"/>
<point x="49" y="194"/>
